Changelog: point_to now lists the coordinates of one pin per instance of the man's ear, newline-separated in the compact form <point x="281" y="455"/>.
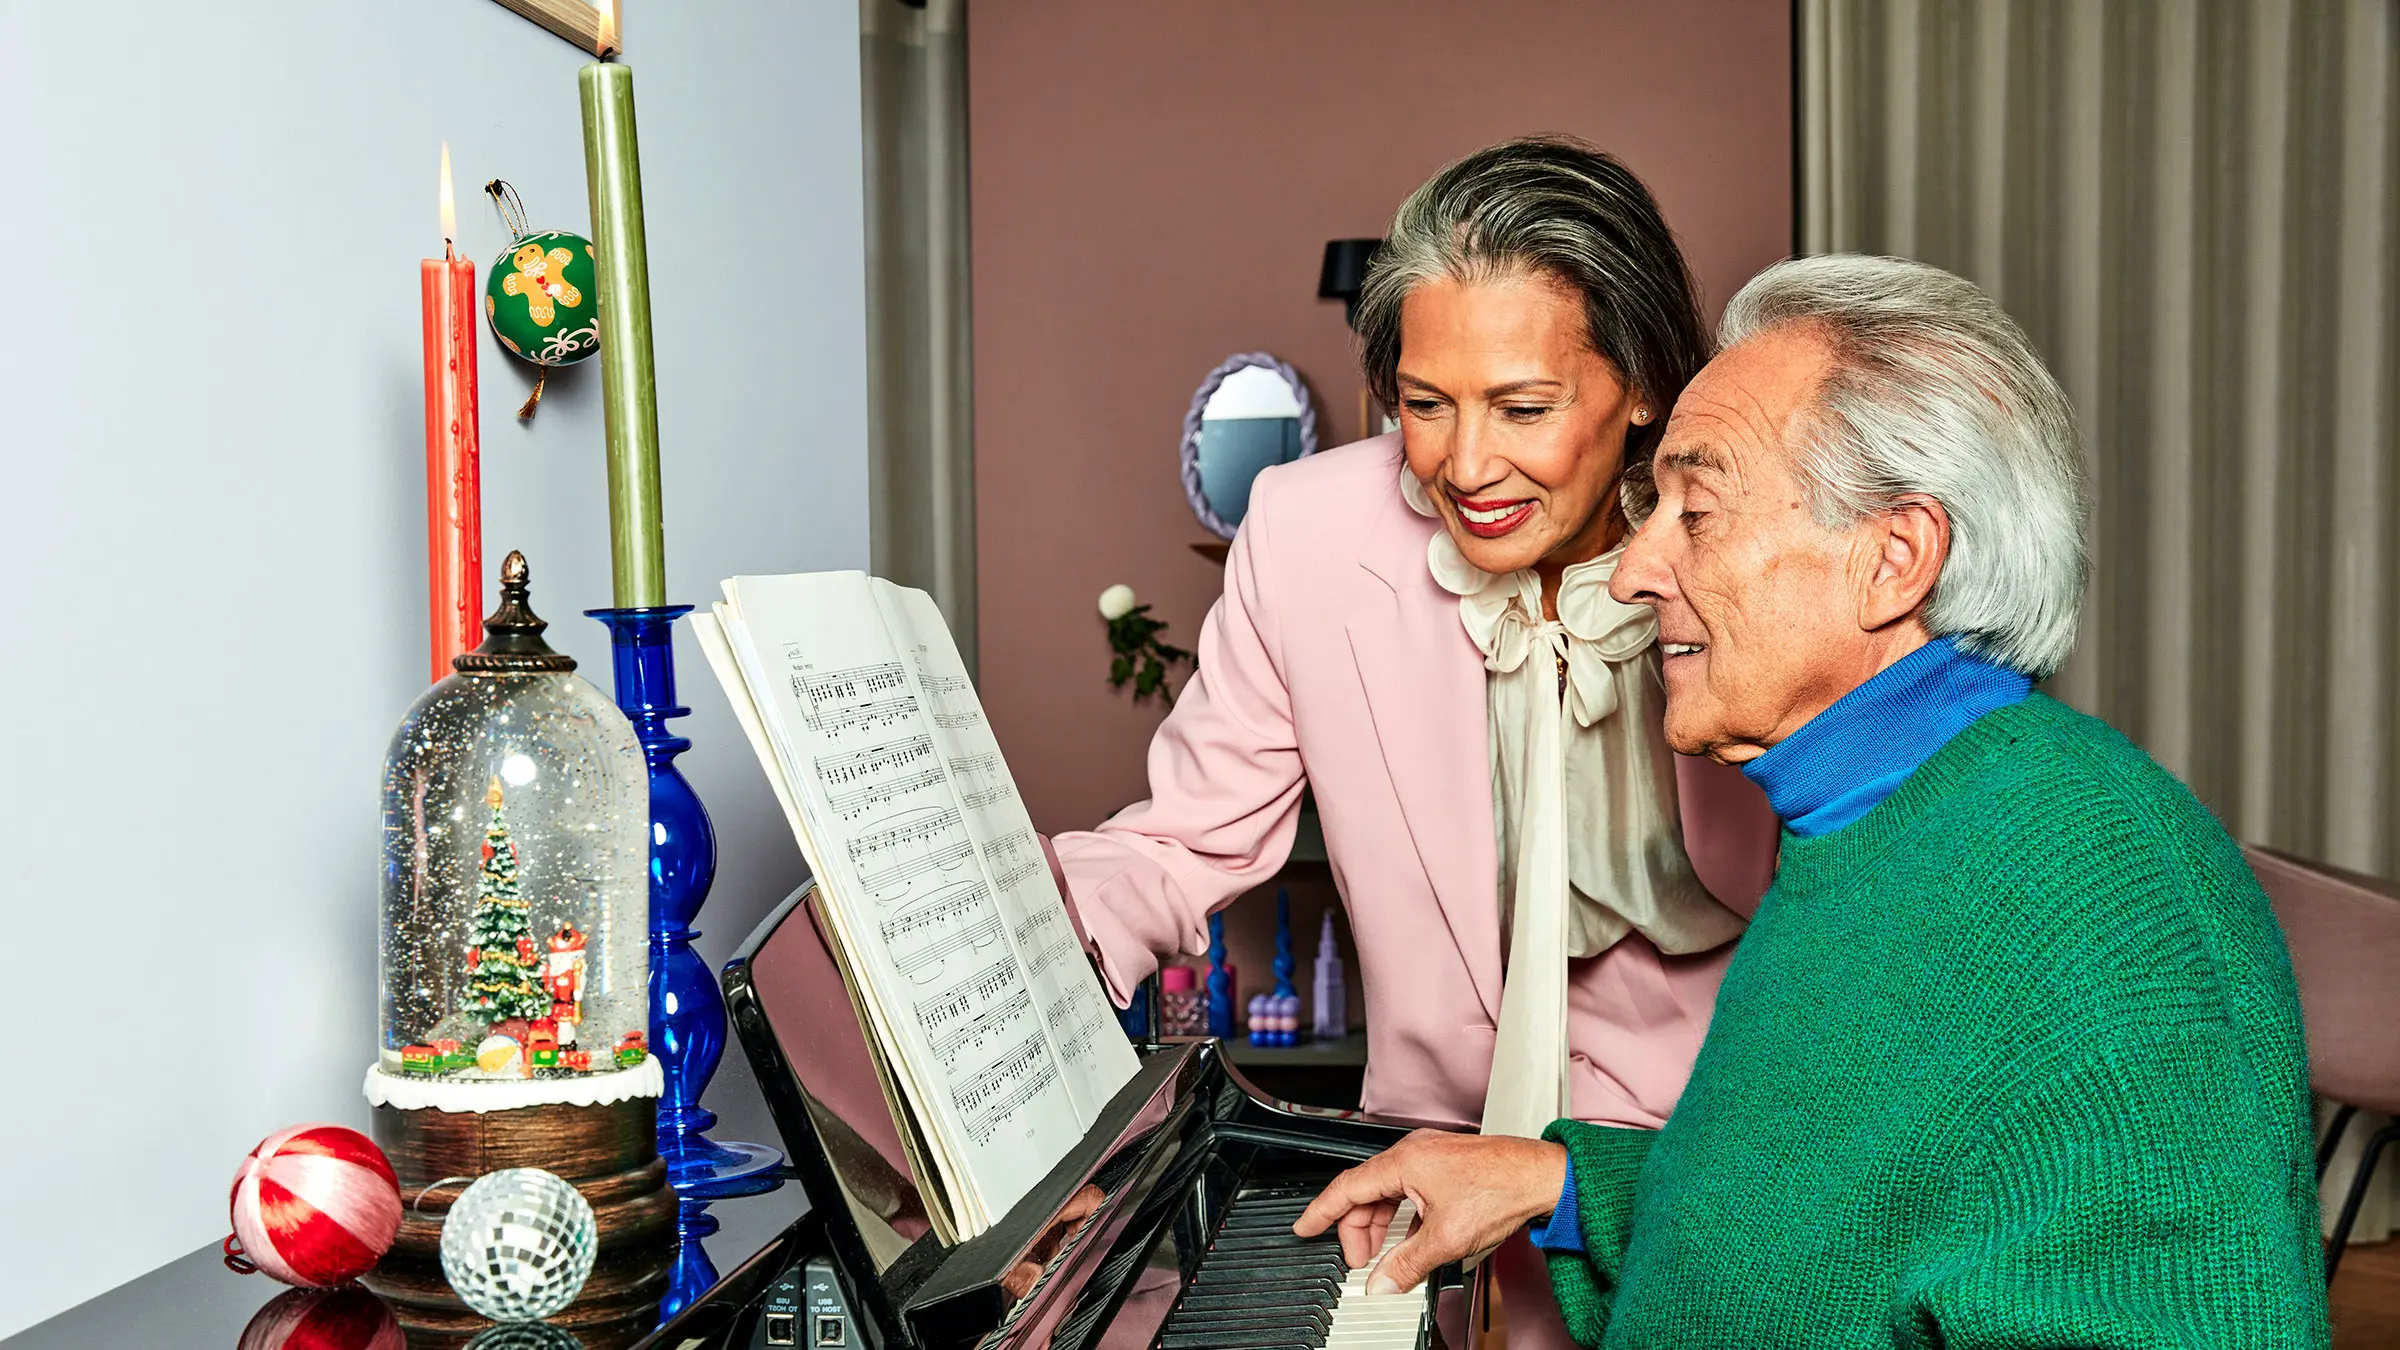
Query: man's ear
<point x="1912" y="541"/>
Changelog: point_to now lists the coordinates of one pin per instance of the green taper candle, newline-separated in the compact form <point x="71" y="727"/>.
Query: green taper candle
<point x="612" y="165"/>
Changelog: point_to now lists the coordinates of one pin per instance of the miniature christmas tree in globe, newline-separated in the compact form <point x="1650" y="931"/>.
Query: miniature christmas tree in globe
<point x="501" y="961"/>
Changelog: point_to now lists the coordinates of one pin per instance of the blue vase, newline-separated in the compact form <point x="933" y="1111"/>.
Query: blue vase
<point x="1220" y="981"/>
<point x="687" y="1013"/>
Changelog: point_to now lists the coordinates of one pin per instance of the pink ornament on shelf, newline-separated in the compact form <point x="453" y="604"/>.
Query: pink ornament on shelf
<point x="1182" y="1008"/>
<point x="314" y="1205"/>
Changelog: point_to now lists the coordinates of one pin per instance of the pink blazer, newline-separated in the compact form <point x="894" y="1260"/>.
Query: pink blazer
<point x="1334" y="660"/>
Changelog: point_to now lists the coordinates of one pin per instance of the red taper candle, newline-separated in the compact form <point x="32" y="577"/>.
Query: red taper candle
<point x="453" y="471"/>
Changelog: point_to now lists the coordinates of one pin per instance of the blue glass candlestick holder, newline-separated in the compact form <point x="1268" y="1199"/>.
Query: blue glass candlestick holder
<point x="693" y="1273"/>
<point x="687" y="1014"/>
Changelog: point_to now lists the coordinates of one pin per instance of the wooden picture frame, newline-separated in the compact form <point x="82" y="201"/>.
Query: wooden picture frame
<point x="578" y="21"/>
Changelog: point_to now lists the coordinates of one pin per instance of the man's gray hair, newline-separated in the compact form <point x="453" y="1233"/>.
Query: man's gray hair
<point x="1935" y="391"/>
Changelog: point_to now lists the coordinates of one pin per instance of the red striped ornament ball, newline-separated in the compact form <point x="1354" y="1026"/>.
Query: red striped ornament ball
<point x="315" y="1205"/>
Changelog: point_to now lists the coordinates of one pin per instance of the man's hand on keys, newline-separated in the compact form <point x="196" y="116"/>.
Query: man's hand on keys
<point x="1471" y="1193"/>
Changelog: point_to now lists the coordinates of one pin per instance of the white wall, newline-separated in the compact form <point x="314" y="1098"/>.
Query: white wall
<point x="211" y="451"/>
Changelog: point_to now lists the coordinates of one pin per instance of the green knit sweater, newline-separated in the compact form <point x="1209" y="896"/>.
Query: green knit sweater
<point x="2012" y="1061"/>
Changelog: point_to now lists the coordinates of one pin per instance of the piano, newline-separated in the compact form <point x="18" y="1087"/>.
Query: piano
<point x="1167" y="1228"/>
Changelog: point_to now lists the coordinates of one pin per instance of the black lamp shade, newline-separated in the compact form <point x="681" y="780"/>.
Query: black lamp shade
<point x="1345" y="272"/>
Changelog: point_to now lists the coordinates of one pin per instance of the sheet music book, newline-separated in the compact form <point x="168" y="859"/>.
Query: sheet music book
<point x="996" y="1045"/>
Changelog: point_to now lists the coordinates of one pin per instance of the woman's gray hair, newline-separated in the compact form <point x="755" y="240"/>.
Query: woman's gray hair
<point x="1935" y="391"/>
<point x="1560" y="208"/>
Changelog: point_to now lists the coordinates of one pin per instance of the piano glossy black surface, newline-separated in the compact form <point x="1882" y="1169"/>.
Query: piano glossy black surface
<point x="1168" y="1227"/>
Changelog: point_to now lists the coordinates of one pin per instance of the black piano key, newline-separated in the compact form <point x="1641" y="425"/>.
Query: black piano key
<point x="1267" y="1283"/>
<point x="1292" y="1205"/>
<point x="1250" y="1251"/>
<point x="1265" y="1223"/>
<point x="1212" y="1334"/>
<point x="1254" y="1251"/>
<point x="1264" y="1282"/>
<point x="1250" y="1267"/>
<point x="1271" y="1237"/>
<point x="1293" y="1208"/>
<point x="1292" y="1199"/>
<point x="1255" y="1313"/>
<point x="1312" y="1289"/>
<point x="1298" y="1296"/>
<point x="1254" y="1266"/>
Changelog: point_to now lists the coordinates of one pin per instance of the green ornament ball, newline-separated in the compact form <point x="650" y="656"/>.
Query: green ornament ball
<point x="543" y="298"/>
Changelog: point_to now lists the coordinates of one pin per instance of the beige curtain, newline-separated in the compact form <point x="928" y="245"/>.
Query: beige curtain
<point x="920" y="425"/>
<point x="2190" y="206"/>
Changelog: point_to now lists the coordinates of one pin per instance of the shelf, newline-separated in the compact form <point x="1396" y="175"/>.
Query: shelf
<point x="1350" y="1052"/>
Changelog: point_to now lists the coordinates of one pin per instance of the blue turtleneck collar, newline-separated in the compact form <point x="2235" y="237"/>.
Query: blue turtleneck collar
<point x="1844" y="760"/>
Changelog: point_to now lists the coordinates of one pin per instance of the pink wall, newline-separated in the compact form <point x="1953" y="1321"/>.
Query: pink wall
<point x="1153" y="184"/>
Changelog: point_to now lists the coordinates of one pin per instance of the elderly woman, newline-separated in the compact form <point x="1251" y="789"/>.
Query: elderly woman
<point x="1419" y="629"/>
<point x="2010" y="1056"/>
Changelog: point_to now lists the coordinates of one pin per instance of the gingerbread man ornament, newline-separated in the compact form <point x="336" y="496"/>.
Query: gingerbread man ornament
<point x="542" y="279"/>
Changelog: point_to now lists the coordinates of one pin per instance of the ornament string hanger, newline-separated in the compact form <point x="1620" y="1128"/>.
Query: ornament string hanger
<point x="512" y="207"/>
<point x="512" y="214"/>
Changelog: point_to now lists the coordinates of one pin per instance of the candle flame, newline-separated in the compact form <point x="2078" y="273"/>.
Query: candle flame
<point x="449" y="202"/>
<point x="607" y="42"/>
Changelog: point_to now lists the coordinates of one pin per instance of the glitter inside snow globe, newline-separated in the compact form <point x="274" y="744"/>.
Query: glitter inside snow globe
<point x="515" y="954"/>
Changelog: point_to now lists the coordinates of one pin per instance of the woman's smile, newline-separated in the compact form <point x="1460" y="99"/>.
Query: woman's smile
<point x="1492" y="519"/>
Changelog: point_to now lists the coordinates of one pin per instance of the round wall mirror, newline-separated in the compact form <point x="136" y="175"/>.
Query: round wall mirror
<point x="1251" y="413"/>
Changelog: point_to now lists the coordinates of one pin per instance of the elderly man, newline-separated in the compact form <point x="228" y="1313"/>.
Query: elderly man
<point x="2011" y="1054"/>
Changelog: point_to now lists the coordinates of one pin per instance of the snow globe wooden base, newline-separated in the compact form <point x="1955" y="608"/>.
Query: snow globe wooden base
<point x="607" y="1151"/>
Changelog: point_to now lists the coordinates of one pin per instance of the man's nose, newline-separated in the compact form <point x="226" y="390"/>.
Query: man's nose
<point x="1643" y="576"/>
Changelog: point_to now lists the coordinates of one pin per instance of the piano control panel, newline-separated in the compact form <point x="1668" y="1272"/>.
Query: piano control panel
<point x="805" y="1310"/>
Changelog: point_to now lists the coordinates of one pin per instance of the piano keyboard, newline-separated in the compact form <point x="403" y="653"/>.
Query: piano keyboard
<point x="1260" y="1288"/>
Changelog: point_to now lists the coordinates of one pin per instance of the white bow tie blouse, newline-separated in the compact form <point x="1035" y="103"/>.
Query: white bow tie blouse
<point x="1583" y="802"/>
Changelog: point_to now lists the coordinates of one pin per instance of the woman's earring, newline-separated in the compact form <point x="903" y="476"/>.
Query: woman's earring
<point x="1641" y="417"/>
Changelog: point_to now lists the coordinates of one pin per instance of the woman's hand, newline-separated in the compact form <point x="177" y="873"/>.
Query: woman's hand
<point x="1472" y="1192"/>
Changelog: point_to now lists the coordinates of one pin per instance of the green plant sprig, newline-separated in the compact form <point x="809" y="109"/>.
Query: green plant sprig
<point x="1140" y="658"/>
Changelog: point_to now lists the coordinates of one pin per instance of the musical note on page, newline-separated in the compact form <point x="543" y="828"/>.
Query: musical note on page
<point x="1013" y="861"/>
<point x="989" y="1100"/>
<point x="983" y="781"/>
<point x="924" y="963"/>
<point x="879" y="775"/>
<point x="915" y="844"/>
<point x="991" y="1022"/>
<point x="948" y="906"/>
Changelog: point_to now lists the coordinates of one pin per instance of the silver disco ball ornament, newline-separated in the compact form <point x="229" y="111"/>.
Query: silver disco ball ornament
<point x="519" y="1244"/>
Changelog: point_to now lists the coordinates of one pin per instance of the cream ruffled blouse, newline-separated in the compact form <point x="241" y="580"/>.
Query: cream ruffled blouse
<point x="1583" y="800"/>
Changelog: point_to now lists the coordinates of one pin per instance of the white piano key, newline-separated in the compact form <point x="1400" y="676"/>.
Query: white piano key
<point x="1364" y="1321"/>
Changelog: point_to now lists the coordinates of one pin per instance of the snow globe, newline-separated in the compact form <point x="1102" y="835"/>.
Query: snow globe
<point x="515" y="938"/>
<point x="516" y="807"/>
